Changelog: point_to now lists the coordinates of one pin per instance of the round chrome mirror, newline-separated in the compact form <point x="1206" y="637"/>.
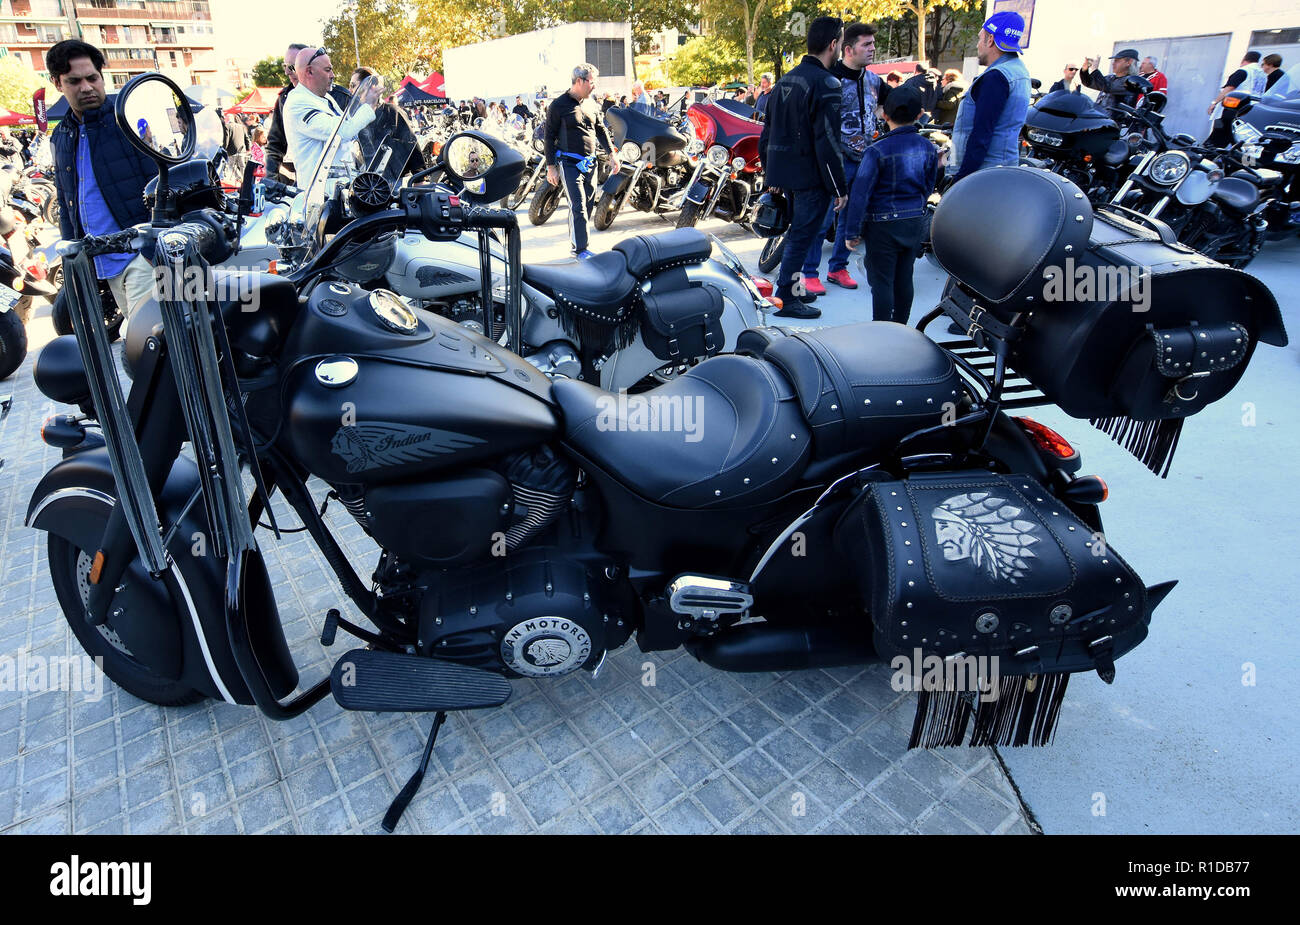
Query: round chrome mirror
<point x="156" y="117"/>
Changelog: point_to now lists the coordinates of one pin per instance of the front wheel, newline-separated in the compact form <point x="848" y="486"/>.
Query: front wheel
<point x="606" y="209"/>
<point x="70" y="574"/>
<point x="51" y="210"/>
<point x="690" y="214"/>
<point x="770" y="258"/>
<point x="516" y="199"/>
<point x="544" y="203"/>
<point x="13" y="343"/>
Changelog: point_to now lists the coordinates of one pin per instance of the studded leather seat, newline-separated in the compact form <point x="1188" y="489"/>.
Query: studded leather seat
<point x="727" y="433"/>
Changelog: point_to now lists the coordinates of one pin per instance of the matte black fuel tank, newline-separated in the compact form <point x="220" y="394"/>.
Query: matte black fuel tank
<point x="366" y="402"/>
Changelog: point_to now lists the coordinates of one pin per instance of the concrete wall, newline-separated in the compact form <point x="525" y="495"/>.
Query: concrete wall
<point x="531" y="61"/>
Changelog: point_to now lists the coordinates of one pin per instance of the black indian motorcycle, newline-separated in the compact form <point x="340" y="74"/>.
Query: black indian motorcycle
<point x="816" y="499"/>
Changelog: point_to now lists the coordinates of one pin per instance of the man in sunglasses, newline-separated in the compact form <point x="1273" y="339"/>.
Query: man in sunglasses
<point x="575" y="135"/>
<point x="1069" y="81"/>
<point x="276" y="144"/>
<point x="311" y="112"/>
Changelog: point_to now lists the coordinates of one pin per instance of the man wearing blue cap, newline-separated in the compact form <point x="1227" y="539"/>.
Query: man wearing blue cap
<point x="987" y="130"/>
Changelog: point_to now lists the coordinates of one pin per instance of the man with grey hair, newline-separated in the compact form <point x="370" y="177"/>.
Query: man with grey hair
<point x="1150" y="69"/>
<point x="276" y="143"/>
<point x="575" y="135"/>
<point x="1113" y="86"/>
<point x="641" y="100"/>
<point x="764" y="93"/>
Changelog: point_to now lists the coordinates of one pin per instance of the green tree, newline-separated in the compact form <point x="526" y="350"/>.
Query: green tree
<point x="269" y="72"/>
<point x="705" y="60"/>
<point x="17" y="84"/>
<point x="646" y="18"/>
<point x="922" y="9"/>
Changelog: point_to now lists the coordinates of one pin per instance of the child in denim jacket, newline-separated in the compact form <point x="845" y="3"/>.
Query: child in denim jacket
<point x="896" y="177"/>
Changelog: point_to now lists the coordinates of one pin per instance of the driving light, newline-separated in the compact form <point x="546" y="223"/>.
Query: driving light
<point x="738" y="163"/>
<point x="1040" y="137"/>
<point x="1169" y="168"/>
<point x="631" y="151"/>
<point x="718" y="156"/>
<point x="695" y="146"/>
<point x="1290" y="156"/>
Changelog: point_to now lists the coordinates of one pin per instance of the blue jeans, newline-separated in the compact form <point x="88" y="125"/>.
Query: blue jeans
<point x="840" y="253"/>
<point x="578" y="187"/>
<point x="809" y="210"/>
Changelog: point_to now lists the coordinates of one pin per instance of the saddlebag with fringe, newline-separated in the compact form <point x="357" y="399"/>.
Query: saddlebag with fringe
<point x="992" y="592"/>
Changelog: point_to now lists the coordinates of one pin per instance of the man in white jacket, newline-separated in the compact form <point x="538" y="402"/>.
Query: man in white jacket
<point x="311" y="115"/>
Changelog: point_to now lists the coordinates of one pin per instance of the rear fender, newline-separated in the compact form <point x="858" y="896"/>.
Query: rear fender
<point x="73" y="501"/>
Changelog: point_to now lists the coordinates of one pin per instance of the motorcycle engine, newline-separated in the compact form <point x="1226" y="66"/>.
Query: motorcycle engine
<point x="535" y="613"/>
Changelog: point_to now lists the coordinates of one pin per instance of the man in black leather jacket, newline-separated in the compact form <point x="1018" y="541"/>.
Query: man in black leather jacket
<point x="800" y="150"/>
<point x="1113" y="85"/>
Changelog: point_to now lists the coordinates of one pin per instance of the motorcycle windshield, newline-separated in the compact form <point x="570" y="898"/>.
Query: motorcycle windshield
<point x="375" y="135"/>
<point x="1284" y="91"/>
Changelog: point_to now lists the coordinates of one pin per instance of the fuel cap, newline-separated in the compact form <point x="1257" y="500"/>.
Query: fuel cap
<point x="336" y="372"/>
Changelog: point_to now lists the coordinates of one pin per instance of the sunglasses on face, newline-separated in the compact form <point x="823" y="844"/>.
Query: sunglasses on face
<point x="1071" y="68"/>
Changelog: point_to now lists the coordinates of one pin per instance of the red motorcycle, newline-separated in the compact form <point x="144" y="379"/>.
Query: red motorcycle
<point x="729" y="178"/>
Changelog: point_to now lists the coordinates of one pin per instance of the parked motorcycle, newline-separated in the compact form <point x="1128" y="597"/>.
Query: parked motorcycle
<point x="1268" y="130"/>
<point x="654" y="169"/>
<point x="14" y="311"/>
<point x="547" y="198"/>
<point x="729" y="176"/>
<point x="527" y="527"/>
<point x="1066" y="133"/>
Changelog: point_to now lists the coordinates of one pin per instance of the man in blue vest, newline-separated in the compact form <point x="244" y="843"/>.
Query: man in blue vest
<point x="99" y="175"/>
<point x="987" y="130"/>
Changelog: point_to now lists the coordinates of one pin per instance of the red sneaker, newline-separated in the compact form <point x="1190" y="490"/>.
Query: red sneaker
<point x="841" y="278"/>
<point x="813" y="286"/>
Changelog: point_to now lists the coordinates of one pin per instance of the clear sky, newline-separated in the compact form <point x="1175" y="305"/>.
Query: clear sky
<point x="257" y="28"/>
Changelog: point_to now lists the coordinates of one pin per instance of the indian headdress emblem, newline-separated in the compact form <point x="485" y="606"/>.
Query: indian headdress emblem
<point x="988" y="531"/>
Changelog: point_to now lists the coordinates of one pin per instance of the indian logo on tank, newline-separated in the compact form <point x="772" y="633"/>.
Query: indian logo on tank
<point x="988" y="532"/>
<point x="374" y="446"/>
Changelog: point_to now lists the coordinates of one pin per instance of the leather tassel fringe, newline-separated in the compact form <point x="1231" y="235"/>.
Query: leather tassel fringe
<point x="1152" y="442"/>
<point x="1025" y="713"/>
<point x="598" y="334"/>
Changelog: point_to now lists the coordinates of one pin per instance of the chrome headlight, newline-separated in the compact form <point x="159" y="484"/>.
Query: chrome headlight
<point x="631" y="151"/>
<point x="1244" y="131"/>
<point x="1169" y="168"/>
<point x="737" y="163"/>
<point x="1290" y="156"/>
<point x="1040" y="137"/>
<point x="695" y="146"/>
<point x="718" y="156"/>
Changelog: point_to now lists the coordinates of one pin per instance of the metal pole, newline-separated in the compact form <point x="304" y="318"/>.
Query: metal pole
<point x="355" y="43"/>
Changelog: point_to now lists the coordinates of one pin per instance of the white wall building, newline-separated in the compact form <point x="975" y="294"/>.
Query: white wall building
<point x="541" y="60"/>
<point x="1198" y="42"/>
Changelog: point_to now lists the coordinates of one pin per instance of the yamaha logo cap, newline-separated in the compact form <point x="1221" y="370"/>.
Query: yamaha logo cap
<point x="1007" y="29"/>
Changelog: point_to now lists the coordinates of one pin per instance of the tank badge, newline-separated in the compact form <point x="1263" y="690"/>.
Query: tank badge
<point x="373" y="446"/>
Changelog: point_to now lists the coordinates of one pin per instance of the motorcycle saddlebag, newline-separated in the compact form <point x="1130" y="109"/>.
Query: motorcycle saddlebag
<point x="1103" y="326"/>
<point x="981" y="568"/>
<point x="680" y="324"/>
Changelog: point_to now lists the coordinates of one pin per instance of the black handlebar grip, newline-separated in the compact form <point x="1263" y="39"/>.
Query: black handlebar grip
<point x="483" y="217"/>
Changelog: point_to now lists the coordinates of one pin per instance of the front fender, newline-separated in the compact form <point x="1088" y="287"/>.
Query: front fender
<point x="73" y="501"/>
<point x="698" y="193"/>
<point x="617" y="182"/>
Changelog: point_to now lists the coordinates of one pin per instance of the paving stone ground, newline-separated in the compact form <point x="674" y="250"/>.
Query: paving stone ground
<point x="696" y="751"/>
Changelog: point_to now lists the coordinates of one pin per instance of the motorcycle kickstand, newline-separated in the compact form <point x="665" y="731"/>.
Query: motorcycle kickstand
<point x="403" y="799"/>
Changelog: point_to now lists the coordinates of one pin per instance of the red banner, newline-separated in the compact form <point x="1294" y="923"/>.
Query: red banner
<point x="38" y="109"/>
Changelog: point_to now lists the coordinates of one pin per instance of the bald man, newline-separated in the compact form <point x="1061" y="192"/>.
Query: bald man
<point x="311" y="114"/>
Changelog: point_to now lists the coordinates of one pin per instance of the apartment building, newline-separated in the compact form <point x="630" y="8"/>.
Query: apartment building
<point x="172" y="36"/>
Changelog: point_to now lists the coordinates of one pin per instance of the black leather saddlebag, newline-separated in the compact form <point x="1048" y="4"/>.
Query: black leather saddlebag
<point x="683" y="323"/>
<point x="994" y="567"/>
<point x="1102" y="324"/>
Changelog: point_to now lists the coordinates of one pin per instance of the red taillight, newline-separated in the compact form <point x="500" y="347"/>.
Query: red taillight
<point x="1046" y="439"/>
<point x="764" y="286"/>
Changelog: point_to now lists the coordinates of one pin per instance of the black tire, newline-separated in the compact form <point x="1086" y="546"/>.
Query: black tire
<point x="606" y="210"/>
<point x="689" y="215"/>
<point x="516" y="199"/>
<point x="51" y="210"/>
<point x="67" y="563"/>
<point x="770" y="258"/>
<point x="59" y="315"/>
<point x="544" y="203"/>
<point x="13" y="343"/>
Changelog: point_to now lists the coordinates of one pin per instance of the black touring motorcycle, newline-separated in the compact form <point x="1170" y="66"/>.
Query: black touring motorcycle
<point x="815" y="499"/>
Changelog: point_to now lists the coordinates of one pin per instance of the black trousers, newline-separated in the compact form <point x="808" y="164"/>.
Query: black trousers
<point x="891" y="254"/>
<point x="579" y="187"/>
<point x="809" y="211"/>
